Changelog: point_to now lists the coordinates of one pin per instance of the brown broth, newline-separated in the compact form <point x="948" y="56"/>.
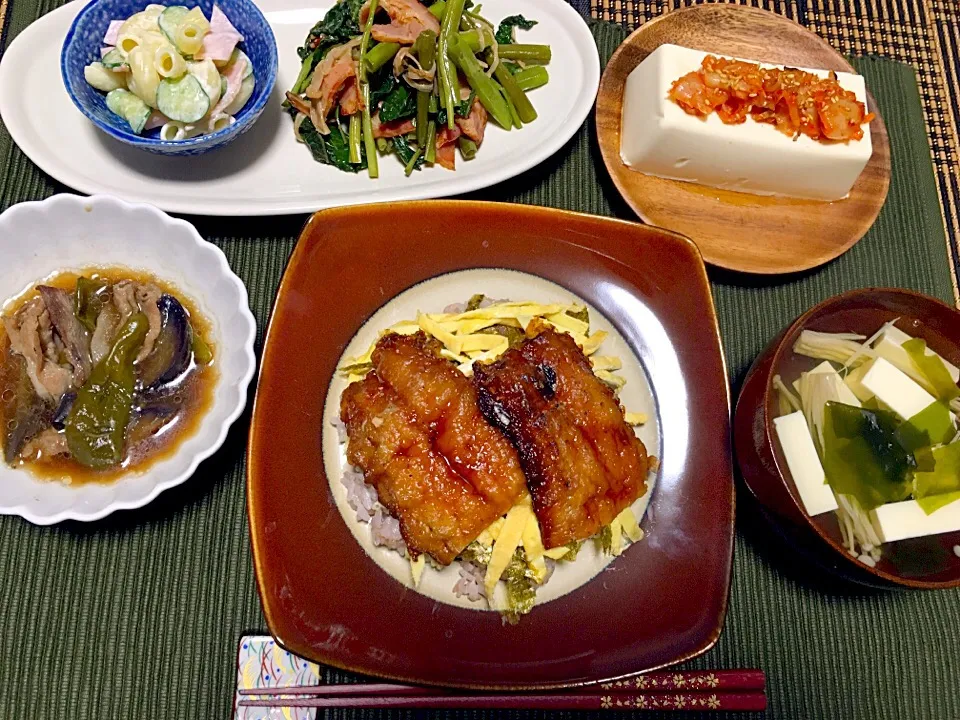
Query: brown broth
<point x="195" y="393"/>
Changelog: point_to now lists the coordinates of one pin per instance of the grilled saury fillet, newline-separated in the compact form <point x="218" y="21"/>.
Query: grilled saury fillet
<point x="415" y="430"/>
<point x="582" y="461"/>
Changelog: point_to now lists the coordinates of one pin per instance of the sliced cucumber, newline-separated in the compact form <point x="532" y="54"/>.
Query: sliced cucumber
<point x="128" y="106"/>
<point x="114" y="60"/>
<point x="208" y="76"/>
<point x="170" y="20"/>
<point x="246" y="90"/>
<point x="182" y="99"/>
<point x="223" y="85"/>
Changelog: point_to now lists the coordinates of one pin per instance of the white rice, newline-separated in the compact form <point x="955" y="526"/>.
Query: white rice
<point x="470" y="584"/>
<point x="361" y="496"/>
<point x="341" y="430"/>
<point x="386" y="531"/>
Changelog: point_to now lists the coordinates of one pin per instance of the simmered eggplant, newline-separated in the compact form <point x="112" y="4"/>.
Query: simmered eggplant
<point x="171" y="353"/>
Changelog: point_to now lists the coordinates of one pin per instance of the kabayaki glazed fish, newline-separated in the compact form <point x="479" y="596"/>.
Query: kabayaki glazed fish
<point x="582" y="461"/>
<point x="415" y="430"/>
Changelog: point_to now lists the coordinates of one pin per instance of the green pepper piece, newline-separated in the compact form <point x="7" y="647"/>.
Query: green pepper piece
<point x="97" y="424"/>
<point x="88" y="301"/>
<point x="202" y="353"/>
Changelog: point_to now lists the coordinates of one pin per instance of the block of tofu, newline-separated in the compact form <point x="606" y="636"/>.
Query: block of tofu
<point x="895" y="389"/>
<point x="903" y="520"/>
<point x="659" y="138"/>
<point x="890" y="346"/>
<point x="804" y="463"/>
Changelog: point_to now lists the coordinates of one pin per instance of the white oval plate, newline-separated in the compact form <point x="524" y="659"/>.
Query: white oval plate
<point x="266" y="172"/>
<point x="69" y="232"/>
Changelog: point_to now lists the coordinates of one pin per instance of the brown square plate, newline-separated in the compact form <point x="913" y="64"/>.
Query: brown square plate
<point x="661" y="602"/>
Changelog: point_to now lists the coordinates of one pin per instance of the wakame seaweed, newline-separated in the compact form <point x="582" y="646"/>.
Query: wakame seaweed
<point x="863" y="457"/>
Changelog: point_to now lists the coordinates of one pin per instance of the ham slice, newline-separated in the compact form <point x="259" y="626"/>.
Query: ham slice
<point x="218" y="44"/>
<point x="392" y="128"/>
<point x="446" y="150"/>
<point x="234" y="78"/>
<point x="408" y="18"/>
<point x="220" y="23"/>
<point x="474" y="124"/>
<point x="329" y="80"/>
<point x="350" y="101"/>
<point x="113" y="30"/>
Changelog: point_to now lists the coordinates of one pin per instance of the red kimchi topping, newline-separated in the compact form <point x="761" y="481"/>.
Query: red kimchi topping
<point x="796" y="102"/>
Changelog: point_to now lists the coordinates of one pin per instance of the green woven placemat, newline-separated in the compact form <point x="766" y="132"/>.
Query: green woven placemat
<point x="138" y="616"/>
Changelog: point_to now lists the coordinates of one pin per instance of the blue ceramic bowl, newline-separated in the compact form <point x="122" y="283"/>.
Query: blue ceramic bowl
<point x="82" y="47"/>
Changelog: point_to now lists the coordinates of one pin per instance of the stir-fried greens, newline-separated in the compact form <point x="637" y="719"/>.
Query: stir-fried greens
<point x="420" y="86"/>
<point x="93" y="370"/>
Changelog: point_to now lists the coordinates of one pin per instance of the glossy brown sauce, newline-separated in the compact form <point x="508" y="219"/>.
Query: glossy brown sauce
<point x="193" y="398"/>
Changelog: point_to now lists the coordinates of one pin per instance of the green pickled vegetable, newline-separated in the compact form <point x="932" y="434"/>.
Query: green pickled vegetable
<point x="574" y="548"/>
<point x="605" y="539"/>
<point x="88" y="301"/>
<point x="474" y="302"/>
<point x="97" y="424"/>
<point x="583" y="315"/>
<point x="477" y="553"/>
<point x="941" y="485"/>
<point x="933" y="369"/>
<point x="863" y="457"/>
<point x="931" y="426"/>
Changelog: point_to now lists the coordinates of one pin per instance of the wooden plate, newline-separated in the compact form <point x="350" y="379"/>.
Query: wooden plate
<point x="735" y="230"/>
<point x="326" y="598"/>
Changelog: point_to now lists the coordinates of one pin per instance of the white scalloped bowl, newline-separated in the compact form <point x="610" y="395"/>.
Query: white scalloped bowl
<point x="70" y="232"/>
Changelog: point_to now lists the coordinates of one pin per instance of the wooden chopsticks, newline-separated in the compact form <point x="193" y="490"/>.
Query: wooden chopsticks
<point x="690" y="690"/>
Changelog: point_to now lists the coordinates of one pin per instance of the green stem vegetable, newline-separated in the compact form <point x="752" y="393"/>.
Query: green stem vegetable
<point x="413" y="162"/>
<point x="475" y="40"/>
<point x="531" y="78"/>
<point x="468" y="148"/>
<point x="431" y="145"/>
<point x="514" y="117"/>
<point x="379" y="55"/>
<point x="438" y="9"/>
<point x="355" y="134"/>
<point x="449" y="85"/>
<point x="536" y="54"/>
<point x="426" y="49"/>
<point x="517" y="96"/>
<point x="373" y="166"/>
<point x="485" y="88"/>
<point x="97" y="424"/>
<point x="365" y="40"/>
